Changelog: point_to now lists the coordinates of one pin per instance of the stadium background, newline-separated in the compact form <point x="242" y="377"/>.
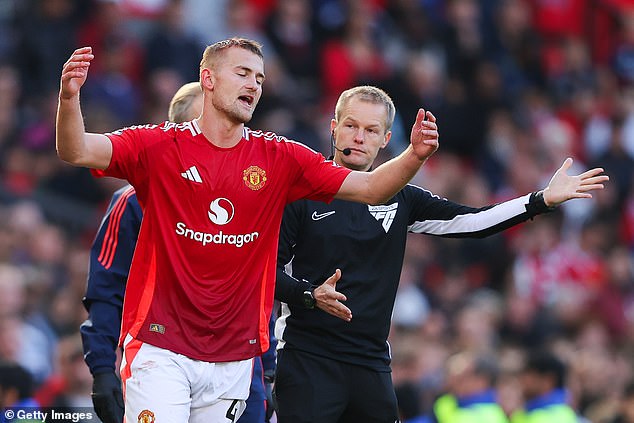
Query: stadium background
<point x="517" y="85"/>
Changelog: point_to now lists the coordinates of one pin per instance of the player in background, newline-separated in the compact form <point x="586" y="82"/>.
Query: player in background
<point x="336" y="368"/>
<point x="110" y="258"/>
<point x="201" y="284"/>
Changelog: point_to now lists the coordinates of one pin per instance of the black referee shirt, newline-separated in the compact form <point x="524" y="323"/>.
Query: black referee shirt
<point x="367" y="243"/>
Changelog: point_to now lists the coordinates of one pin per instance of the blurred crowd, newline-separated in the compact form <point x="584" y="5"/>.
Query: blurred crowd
<point x="517" y="86"/>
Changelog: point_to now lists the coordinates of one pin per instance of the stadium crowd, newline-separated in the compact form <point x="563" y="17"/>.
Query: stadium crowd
<point x="516" y="86"/>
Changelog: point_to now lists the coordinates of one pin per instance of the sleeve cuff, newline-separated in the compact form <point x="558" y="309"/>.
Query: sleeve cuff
<point x="537" y="205"/>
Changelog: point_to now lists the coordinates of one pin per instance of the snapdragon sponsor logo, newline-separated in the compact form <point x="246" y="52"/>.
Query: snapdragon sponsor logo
<point x="221" y="211"/>
<point x="220" y="238"/>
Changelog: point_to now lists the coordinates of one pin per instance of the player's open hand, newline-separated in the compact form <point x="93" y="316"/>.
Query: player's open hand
<point x="424" y="136"/>
<point x="563" y="187"/>
<point x="329" y="299"/>
<point x="75" y="72"/>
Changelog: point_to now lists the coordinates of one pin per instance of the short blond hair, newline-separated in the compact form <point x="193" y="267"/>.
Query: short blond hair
<point x="180" y="106"/>
<point x="213" y="51"/>
<point x="370" y="94"/>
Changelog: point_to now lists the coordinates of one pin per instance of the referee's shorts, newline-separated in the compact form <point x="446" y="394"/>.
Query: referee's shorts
<point x="311" y="388"/>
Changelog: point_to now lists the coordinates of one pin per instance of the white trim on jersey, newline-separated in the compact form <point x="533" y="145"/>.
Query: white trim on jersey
<point x="280" y="325"/>
<point x="195" y="127"/>
<point x="271" y="136"/>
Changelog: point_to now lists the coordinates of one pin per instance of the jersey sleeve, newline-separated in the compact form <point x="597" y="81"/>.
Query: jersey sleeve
<point x="129" y="158"/>
<point x="431" y="214"/>
<point x="315" y="178"/>
<point x="110" y="257"/>
<point x="287" y="288"/>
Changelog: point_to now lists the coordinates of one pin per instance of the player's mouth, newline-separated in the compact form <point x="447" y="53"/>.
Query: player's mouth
<point x="247" y="100"/>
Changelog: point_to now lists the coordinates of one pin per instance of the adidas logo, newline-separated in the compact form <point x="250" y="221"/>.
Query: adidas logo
<point x="192" y="174"/>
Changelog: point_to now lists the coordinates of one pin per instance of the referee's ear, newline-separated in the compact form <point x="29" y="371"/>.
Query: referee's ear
<point x="386" y="139"/>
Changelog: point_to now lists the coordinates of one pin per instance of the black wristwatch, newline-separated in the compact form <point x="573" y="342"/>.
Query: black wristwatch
<point x="309" y="298"/>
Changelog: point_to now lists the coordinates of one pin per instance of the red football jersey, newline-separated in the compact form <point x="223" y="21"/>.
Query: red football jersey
<point x="203" y="274"/>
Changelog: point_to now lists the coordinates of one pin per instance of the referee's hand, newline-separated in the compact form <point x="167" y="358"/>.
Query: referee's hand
<point x="329" y="299"/>
<point x="563" y="187"/>
<point x="107" y="397"/>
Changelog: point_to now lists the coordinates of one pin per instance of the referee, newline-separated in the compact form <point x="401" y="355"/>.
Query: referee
<point x="333" y="359"/>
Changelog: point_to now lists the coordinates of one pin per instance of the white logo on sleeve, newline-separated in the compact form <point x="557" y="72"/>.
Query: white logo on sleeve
<point x="192" y="175"/>
<point x="384" y="213"/>
<point x="220" y="211"/>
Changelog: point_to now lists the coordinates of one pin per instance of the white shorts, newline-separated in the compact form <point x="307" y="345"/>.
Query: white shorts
<point x="162" y="386"/>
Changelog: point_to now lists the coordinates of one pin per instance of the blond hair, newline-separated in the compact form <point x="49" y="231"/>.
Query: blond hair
<point x="211" y="53"/>
<point x="180" y="106"/>
<point x="370" y="94"/>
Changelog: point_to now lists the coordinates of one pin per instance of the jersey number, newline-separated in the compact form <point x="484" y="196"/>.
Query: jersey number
<point x="231" y="412"/>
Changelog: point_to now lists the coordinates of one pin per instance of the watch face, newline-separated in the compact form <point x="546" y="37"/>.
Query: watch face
<point x="309" y="300"/>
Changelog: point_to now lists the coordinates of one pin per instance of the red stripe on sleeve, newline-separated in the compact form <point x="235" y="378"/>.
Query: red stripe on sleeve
<point x="110" y="240"/>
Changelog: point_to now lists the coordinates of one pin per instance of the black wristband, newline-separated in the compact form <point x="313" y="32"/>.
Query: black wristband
<point x="537" y="205"/>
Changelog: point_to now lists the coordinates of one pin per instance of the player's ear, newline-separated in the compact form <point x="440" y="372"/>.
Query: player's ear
<point x="206" y="78"/>
<point x="333" y="125"/>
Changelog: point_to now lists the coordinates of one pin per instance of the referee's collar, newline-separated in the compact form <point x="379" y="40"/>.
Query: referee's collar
<point x="332" y="158"/>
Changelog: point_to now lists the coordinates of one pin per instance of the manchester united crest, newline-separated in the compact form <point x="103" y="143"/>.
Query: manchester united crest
<point x="254" y="177"/>
<point x="146" y="416"/>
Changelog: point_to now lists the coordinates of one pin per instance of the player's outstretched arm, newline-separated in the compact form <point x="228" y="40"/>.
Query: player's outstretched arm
<point x="563" y="187"/>
<point x="386" y="180"/>
<point x="73" y="144"/>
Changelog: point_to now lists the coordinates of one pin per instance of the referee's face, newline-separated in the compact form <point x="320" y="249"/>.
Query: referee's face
<point x="361" y="132"/>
